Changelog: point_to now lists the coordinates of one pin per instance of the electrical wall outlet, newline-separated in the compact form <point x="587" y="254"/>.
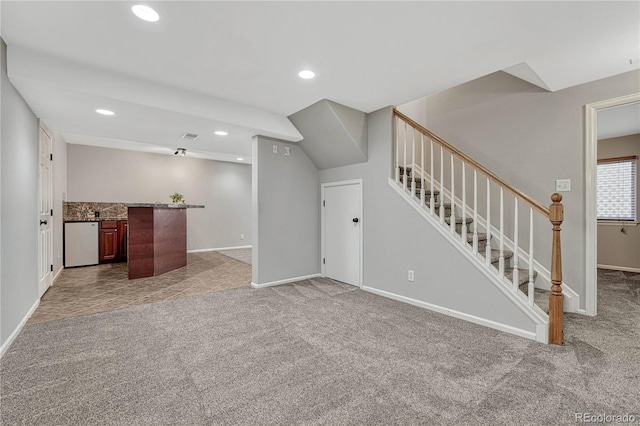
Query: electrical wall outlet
<point x="275" y="149"/>
<point x="287" y="151"/>
<point x="411" y="275"/>
<point x="242" y="236"/>
<point x="563" y="185"/>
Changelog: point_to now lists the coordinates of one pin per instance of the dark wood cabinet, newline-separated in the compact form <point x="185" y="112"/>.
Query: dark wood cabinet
<point x="113" y="241"/>
<point x="122" y="240"/>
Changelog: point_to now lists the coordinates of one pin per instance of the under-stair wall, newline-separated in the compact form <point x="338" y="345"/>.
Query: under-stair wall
<point x="398" y="239"/>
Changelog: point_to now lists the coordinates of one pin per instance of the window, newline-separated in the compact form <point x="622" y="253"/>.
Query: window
<point x="617" y="189"/>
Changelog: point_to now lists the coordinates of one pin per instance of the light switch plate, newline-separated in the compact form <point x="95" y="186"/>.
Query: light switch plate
<point x="275" y="149"/>
<point x="563" y="185"/>
<point x="287" y="151"/>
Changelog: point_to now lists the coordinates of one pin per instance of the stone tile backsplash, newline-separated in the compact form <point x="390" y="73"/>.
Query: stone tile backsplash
<point x="77" y="210"/>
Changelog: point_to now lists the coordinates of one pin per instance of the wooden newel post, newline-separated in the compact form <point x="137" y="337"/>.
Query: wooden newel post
<point x="556" y="216"/>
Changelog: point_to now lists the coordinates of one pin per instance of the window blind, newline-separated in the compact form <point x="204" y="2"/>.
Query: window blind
<point x="617" y="189"/>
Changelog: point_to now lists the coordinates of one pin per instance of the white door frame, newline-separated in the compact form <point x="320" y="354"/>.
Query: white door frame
<point x="591" y="226"/>
<point x="45" y="266"/>
<point x="322" y="224"/>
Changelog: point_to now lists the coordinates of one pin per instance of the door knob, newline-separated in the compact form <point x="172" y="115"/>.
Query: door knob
<point x="43" y="222"/>
<point x="356" y="220"/>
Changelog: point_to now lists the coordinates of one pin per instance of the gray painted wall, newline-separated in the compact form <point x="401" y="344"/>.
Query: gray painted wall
<point x="59" y="171"/>
<point x="397" y="238"/>
<point x="112" y="175"/>
<point x="529" y="137"/>
<point x="286" y="212"/>
<point x="18" y="208"/>
<point x="616" y="248"/>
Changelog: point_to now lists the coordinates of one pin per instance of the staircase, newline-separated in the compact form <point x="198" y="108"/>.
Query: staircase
<point x="488" y="220"/>
<point x="482" y="241"/>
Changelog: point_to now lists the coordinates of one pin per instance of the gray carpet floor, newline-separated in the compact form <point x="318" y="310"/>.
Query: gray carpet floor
<point x="243" y="255"/>
<point x="318" y="352"/>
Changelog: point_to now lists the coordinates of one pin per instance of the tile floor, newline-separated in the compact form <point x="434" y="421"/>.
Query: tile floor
<point x="93" y="289"/>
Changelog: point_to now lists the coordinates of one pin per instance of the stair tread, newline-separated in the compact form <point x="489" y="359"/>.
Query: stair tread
<point x="482" y="236"/>
<point x="495" y="255"/>
<point x="437" y="205"/>
<point x="523" y="275"/>
<point x="458" y="220"/>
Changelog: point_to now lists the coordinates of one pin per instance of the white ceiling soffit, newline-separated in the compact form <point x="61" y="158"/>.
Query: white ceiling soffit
<point x="619" y="121"/>
<point x="65" y="95"/>
<point x="155" y="149"/>
<point x="236" y="63"/>
<point x="524" y="72"/>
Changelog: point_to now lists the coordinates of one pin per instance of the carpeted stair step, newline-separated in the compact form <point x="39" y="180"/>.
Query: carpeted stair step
<point x="469" y="220"/>
<point x="427" y="194"/>
<point x="495" y="258"/>
<point x="482" y="241"/>
<point x="436" y="206"/>
<point x="402" y="170"/>
<point x="523" y="277"/>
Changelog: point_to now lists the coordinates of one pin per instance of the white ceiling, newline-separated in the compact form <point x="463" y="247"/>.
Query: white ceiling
<point x="233" y="65"/>
<point x="619" y="121"/>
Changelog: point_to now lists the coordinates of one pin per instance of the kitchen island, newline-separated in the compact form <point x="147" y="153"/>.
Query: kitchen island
<point x="157" y="238"/>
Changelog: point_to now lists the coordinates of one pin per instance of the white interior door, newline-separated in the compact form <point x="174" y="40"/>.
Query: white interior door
<point x="342" y="231"/>
<point x="45" y="240"/>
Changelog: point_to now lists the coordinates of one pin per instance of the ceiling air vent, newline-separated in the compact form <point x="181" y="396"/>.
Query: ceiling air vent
<point x="190" y="136"/>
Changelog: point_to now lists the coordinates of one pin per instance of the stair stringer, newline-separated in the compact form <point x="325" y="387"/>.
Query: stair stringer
<point x="571" y="299"/>
<point x="519" y="300"/>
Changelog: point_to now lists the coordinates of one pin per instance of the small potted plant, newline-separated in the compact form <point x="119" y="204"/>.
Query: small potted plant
<point x="177" y="198"/>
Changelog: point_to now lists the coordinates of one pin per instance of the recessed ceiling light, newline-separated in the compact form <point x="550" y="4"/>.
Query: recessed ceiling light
<point x="105" y="112"/>
<point x="240" y="159"/>
<point x="306" y="74"/>
<point x="221" y="133"/>
<point x="145" y="13"/>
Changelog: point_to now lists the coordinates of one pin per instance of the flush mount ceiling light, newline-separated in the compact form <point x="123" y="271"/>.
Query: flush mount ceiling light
<point x="221" y="133"/>
<point x="105" y="112"/>
<point x="306" y="74"/>
<point x="182" y="152"/>
<point x="145" y="13"/>
<point x="240" y="159"/>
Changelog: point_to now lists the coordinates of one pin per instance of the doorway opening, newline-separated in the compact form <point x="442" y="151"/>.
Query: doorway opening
<point x="591" y="199"/>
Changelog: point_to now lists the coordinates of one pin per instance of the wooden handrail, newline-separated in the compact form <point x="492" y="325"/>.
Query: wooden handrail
<point x="542" y="209"/>
<point x="556" y="216"/>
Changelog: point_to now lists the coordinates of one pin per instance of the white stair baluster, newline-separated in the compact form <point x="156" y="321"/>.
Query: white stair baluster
<point x="422" y="170"/>
<point x="441" y="184"/>
<point x="463" y="234"/>
<point x="515" y="245"/>
<point x="488" y="247"/>
<point x="452" y="218"/>
<point x="530" y="286"/>
<point x="474" y="246"/>
<point x="397" y="150"/>
<point x="501" y="259"/>
<point x="406" y="175"/>
<point x="413" y="162"/>
<point x="431" y="196"/>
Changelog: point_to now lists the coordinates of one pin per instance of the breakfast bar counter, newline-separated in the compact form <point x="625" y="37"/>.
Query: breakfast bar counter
<point x="157" y="238"/>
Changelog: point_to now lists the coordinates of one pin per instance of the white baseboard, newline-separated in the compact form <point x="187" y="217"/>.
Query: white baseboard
<point x="5" y="346"/>
<point x="460" y="315"/>
<point x="619" y="268"/>
<point x="218" y="249"/>
<point x="55" y="277"/>
<point x="285" y="281"/>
